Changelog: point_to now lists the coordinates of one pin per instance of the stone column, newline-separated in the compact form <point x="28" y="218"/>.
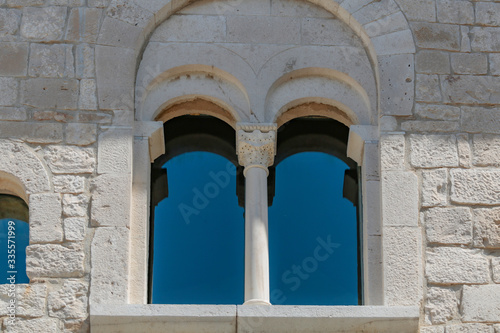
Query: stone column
<point x="256" y="147"/>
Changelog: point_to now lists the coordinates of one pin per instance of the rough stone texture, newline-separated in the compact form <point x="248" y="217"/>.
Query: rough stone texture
<point x="75" y="228"/>
<point x="479" y="119"/>
<point x="9" y="22"/>
<point x="46" y="24"/>
<point x="471" y="89"/>
<point x="431" y="329"/>
<point x="45" y="218"/>
<point x="13" y="114"/>
<point x="495" y="267"/>
<point x="400" y="193"/>
<point x="51" y="60"/>
<point x="452" y="265"/>
<point x="429" y="126"/>
<point x="437" y="36"/>
<point x="50" y="93"/>
<point x="83" y="25"/>
<point x="71" y="160"/>
<point x="486" y="13"/>
<point x="392" y="152"/>
<point x="53" y="260"/>
<point x="81" y="134"/>
<point x="494" y="63"/>
<point x="115" y="145"/>
<point x="469" y="63"/>
<point x="428" y="89"/>
<point x="398" y="91"/>
<point x="441" y="306"/>
<point x="32" y="132"/>
<point x="432" y="62"/>
<point x="70" y="301"/>
<point x="39" y="325"/>
<point x="433" y="151"/>
<point x="75" y="205"/>
<point x="475" y="186"/>
<point x="485" y="39"/>
<point x="438" y="112"/>
<point x="481" y="303"/>
<point x="449" y="225"/>
<point x="111" y="200"/>
<point x="451" y="11"/>
<point x="88" y="99"/>
<point x="70" y="184"/>
<point x="85" y="67"/>
<point x="434" y="187"/>
<point x="464" y="151"/>
<point x="486" y="150"/>
<point x="424" y="10"/>
<point x="469" y="328"/>
<point x="30" y="300"/>
<point x="13" y="58"/>
<point x="487" y="227"/>
<point x="8" y="91"/>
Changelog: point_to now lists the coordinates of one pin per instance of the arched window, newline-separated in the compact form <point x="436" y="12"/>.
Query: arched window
<point x="197" y="246"/>
<point x="313" y="222"/>
<point x="14" y="238"/>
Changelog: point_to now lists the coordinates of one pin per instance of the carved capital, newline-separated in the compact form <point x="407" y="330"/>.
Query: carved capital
<point x="256" y="145"/>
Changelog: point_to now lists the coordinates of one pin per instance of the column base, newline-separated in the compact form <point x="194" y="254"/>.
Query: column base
<point x="256" y="301"/>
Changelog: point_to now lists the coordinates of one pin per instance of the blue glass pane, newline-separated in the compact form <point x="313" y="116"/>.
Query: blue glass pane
<point x="14" y="250"/>
<point x="199" y="234"/>
<point x="312" y="234"/>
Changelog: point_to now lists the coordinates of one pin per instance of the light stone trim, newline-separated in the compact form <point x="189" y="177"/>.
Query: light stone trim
<point x="256" y="148"/>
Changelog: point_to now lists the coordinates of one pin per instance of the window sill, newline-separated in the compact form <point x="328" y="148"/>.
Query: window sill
<point x="250" y="318"/>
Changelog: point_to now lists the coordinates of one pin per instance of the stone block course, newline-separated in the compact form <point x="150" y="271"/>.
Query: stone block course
<point x="486" y="150"/>
<point x="194" y="28"/>
<point x="80" y="134"/>
<point x="47" y="93"/>
<point x="470" y="328"/>
<point x="70" y="184"/>
<point x="32" y="132"/>
<point x="400" y="193"/>
<point x="53" y="260"/>
<point x="485" y="39"/>
<point x="437" y="112"/>
<point x="13" y="114"/>
<point x="437" y="36"/>
<point x="449" y="225"/>
<point x="433" y="151"/>
<point x="398" y="91"/>
<point x="39" y="325"/>
<point x="70" y="159"/>
<point x="432" y="62"/>
<point x="282" y="30"/>
<point x="475" y="186"/>
<point x="70" y="301"/>
<point x="392" y="152"/>
<point x="481" y="303"/>
<point x="51" y="60"/>
<point x="480" y="119"/>
<point x="85" y="67"/>
<point x="469" y="63"/>
<point x="111" y="200"/>
<point x="452" y="11"/>
<point x="75" y="228"/>
<point x="442" y="305"/>
<point x="30" y="300"/>
<point x="434" y="188"/>
<point x="487" y="13"/>
<point x="487" y="227"/>
<point x="9" y="23"/>
<point x="427" y="88"/>
<point x="8" y="91"/>
<point x="115" y="147"/>
<point x="44" y="24"/>
<point x="75" y="205"/>
<point x="471" y="89"/>
<point x="88" y="98"/>
<point x="464" y="150"/>
<point x="495" y="267"/>
<point x="45" y="218"/>
<point x="13" y="59"/>
<point x="83" y="25"/>
<point x="424" y="10"/>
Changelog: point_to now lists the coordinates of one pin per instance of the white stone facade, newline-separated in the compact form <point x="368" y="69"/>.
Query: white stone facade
<point x="85" y="86"/>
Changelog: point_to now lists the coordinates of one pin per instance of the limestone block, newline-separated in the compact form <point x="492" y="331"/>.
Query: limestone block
<point x="388" y="124"/>
<point x="451" y="11"/>
<point x="95" y="117"/>
<point x="62" y="117"/>
<point x="487" y="227"/>
<point x="70" y="301"/>
<point x="471" y="89"/>
<point x="392" y="152"/>
<point x="433" y="151"/>
<point x="486" y="150"/>
<point x="45" y="218"/>
<point x="397" y="76"/>
<point x="39" y="325"/>
<point x="470" y="328"/>
<point x="99" y="3"/>
<point x="81" y="134"/>
<point x="46" y="24"/>
<point x="441" y="305"/>
<point x="70" y="160"/>
<point x="129" y="12"/>
<point x="264" y="29"/>
<point x="391" y="23"/>
<point x="497" y="328"/>
<point x="25" y="3"/>
<point x="432" y="62"/>
<point x="9" y="22"/>
<point x="85" y="67"/>
<point x="454" y="265"/>
<point x="429" y="126"/>
<point x="485" y="39"/>
<point x="51" y="93"/>
<point x="8" y="91"/>
<point x="400" y="193"/>
<point x="399" y="42"/>
<point x="403" y="265"/>
<point x="464" y="31"/>
<point x="115" y="150"/>
<point x="13" y="58"/>
<point x="256" y="7"/>
<point x="477" y="186"/>
<point x="480" y="120"/>
<point x="436" y="36"/>
<point x="427" y="88"/>
<point x="32" y="132"/>
<point x="495" y="265"/>
<point x="449" y="225"/>
<point x="111" y="200"/>
<point x="469" y="63"/>
<point x="295" y="9"/>
<point x="75" y="205"/>
<point x="75" y="228"/>
<point x="69" y="184"/>
<point x="438" y="112"/>
<point x="53" y="260"/>
<point x="328" y="31"/>
<point x="494" y="63"/>
<point x="13" y="114"/>
<point x="481" y="303"/>
<point x="77" y="325"/>
<point x="375" y="11"/>
<point x="83" y="25"/>
<point x="431" y="329"/>
<point x="434" y="187"/>
<point x="30" y="300"/>
<point x="51" y="60"/>
<point x="88" y="99"/>
<point x="109" y="264"/>
<point x="464" y="150"/>
<point x="192" y="28"/>
<point x="487" y="13"/>
<point x="424" y="10"/>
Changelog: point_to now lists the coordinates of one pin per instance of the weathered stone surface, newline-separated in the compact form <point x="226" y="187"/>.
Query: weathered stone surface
<point x="109" y="266"/>
<point x="71" y="160"/>
<point x="400" y="193"/>
<point x="111" y="200"/>
<point x="45" y="218"/>
<point x="397" y="87"/>
<point x="70" y="301"/>
<point x="487" y="227"/>
<point x="424" y="10"/>
<point x="13" y="114"/>
<point x="441" y="306"/>
<point x="30" y="300"/>
<point x="451" y="11"/>
<point x="434" y="187"/>
<point x="449" y="225"/>
<point x="39" y="325"/>
<point x="76" y="325"/>
<point x="83" y="25"/>
<point x="318" y="31"/>
<point x="88" y="98"/>
<point x="9" y="22"/>
<point x="429" y="126"/>
<point x="81" y="134"/>
<point x="75" y="228"/>
<point x="392" y="152"/>
<point x="13" y="58"/>
<point x="464" y="31"/>
<point x="486" y="150"/>
<point x="85" y="67"/>
<point x="397" y="43"/>
<point x="436" y="36"/>
<point x="431" y="329"/>
<point x="32" y="132"/>
<point x="115" y="150"/>
<point x="53" y="260"/>
<point x="475" y="186"/>
<point x="45" y="24"/>
<point x="432" y="62"/>
<point x="469" y="63"/>
<point x="481" y="303"/>
<point x="453" y="265"/>
<point x="433" y="151"/>
<point x="268" y="30"/>
<point x="75" y="205"/>
<point x="192" y="28"/>
<point x="51" y="60"/>
<point x="485" y="39"/>
<point x="486" y="13"/>
<point x="471" y="89"/>
<point x="58" y="116"/>
<point x="428" y="89"/>
<point x="469" y="328"/>
<point x="464" y="151"/>
<point x="495" y="265"/>
<point x="50" y="93"/>
<point x="69" y="184"/>
<point x="478" y="119"/>
<point x="494" y="63"/>
<point x="438" y="112"/>
<point x="8" y="91"/>
<point x="128" y="12"/>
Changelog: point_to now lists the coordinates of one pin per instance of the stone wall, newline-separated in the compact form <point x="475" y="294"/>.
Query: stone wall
<point x="67" y="134"/>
